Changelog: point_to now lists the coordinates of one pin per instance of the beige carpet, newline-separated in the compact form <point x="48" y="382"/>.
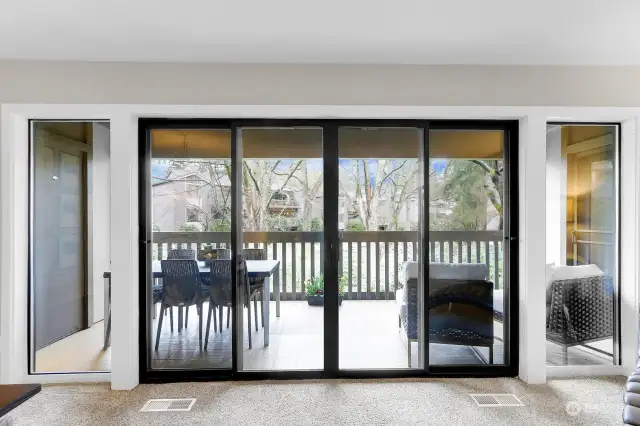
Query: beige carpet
<point x="368" y="402"/>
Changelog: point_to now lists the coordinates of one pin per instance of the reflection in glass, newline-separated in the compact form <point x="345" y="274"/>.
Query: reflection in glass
<point x="466" y="256"/>
<point x="581" y="277"/>
<point x="70" y="303"/>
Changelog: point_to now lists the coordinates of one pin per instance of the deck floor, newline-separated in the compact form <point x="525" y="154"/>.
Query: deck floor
<point x="369" y="339"/>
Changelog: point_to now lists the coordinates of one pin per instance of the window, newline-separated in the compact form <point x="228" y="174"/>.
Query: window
<point x="582" y="245"/>
<point x="70" y="250"/>
<point x="280" y="196"/>
<point x="193" y="214"/>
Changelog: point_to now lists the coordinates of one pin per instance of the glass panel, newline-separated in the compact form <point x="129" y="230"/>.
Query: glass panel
<point x="380" y="205"/>
<point x="191" y="216"/>
<point x="70" y="247"/>
<point x="282" y="211"/>
<point x="581" y="275"/>
<point x="466" y="256"/>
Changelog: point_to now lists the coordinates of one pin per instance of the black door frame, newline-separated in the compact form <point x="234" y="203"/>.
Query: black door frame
<point x="331" y="239"/>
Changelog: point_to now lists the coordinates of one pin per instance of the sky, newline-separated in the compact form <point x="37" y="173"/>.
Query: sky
<point x="159" y="169"/>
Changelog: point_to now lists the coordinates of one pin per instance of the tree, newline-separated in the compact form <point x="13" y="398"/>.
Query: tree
<point x="379" y="189"/>
<point x="494" y="185"/>
<point x="188" y="228"/>
<point x="262" y="182"/>
<point x="466" y="187"/>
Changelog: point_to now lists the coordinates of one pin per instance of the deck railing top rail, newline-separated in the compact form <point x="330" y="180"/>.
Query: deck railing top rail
<point x="317" y="236"/>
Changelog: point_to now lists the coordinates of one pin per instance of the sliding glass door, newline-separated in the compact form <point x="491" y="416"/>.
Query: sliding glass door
<point x="470" y="232"/>
<point x="186" y="198"/>
<point x="280" y="229"/>
<point x="381" y="285"/>
<point x="326" y="248"/>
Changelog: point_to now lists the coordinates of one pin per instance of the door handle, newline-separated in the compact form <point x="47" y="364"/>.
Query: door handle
<point x="511" y="238"/>
<point x="145" y="241"/>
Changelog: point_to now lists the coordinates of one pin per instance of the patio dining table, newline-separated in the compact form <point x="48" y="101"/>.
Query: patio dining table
<point x="255" y="269"/>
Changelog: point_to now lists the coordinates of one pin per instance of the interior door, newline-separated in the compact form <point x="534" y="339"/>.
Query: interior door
<point x="59" y="258"/>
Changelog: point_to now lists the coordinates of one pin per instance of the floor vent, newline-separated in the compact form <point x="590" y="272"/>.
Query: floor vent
<point x="496" y="400"/>
<point x="184" y="404"/>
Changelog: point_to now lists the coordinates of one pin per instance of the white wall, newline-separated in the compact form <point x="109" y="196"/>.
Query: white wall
<point x="100" y="211"/>
<point x="458" y="92"/>
<point x="247" y="84"/>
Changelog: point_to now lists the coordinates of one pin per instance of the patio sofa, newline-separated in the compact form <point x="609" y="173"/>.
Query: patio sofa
<point x="461" y="305"/>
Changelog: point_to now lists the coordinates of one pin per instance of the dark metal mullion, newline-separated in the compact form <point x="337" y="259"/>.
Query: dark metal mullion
<point x="424" y="258"/>
<point x="145" y="332"/>
<point x="510" y="247"/>
<point x="237" y="333"/>
<point x="331" y="242"/>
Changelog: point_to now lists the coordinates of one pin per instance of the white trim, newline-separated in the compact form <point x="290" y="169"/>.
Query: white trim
<point x="629" y="243"/>
<point x="532" y="155"/>
<point x="44" y="378"/>
<point x="584" y="370"/>
<point x="13" y="257"/>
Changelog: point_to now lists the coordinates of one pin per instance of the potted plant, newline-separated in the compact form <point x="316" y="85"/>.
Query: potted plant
<point x="315" y="290"/>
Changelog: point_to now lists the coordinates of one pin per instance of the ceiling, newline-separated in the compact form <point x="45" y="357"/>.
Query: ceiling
<point x="298" y="143"/>
<point x="544" y="32"/>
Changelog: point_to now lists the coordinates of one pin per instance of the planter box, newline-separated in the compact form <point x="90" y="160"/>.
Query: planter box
<point x="317" y="300"/>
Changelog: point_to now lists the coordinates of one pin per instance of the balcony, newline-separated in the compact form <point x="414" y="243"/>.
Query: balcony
<point x="370" y="336"/>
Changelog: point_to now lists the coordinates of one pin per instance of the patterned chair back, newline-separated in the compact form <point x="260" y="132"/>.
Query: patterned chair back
<point x="220" y="280"/>
<point x="181" y="282"/>
<point x="581" y="310"/>
<point x="181" y="254"/>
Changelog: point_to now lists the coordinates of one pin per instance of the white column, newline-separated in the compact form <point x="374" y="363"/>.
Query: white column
<point x="556" y="198"/>
<point x="124" y="252"/>
<point x="532" y="183"/>
<point x="629" y="244"/>
<point x="14" y="245"/>
<point x="99" y="218"/>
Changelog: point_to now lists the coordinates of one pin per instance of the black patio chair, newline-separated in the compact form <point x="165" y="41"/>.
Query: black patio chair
<point x="182" y="254"/>
<point x="220" y="292"/>
<point x="181" y="288"/>
<point x="256" y="285"/>
<point x="580" y="311"/>
<point x="206" y="255"/>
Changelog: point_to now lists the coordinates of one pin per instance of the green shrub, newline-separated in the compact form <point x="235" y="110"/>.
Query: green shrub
<point x="315" y="285"/>
<point x="355" y="225"/>
<point x="188" y="228"/>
